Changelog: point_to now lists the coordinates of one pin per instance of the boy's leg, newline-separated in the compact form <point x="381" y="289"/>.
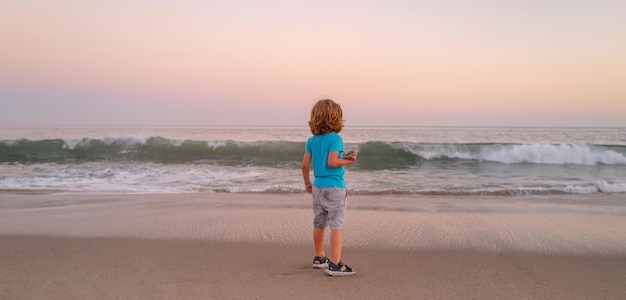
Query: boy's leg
<point x="336" y="241"/>
<point x="336" y="206"/>
<point x="318" y="241"/>
<point x="319" y="222"/>
<point x="336" y="216"/>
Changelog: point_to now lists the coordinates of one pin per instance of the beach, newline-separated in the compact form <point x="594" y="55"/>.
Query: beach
<point x="258" y="246"/>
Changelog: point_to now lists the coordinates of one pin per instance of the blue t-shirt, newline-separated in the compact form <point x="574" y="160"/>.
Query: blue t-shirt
<point x="320" y="146"/>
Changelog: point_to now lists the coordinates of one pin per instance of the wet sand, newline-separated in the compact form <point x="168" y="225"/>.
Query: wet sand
<point x="258" y="246"/>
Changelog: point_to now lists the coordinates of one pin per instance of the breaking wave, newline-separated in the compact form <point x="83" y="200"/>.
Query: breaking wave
<point x="372" y="155"/>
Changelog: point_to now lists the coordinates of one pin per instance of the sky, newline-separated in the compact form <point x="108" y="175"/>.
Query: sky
<point x="388" y="63"/>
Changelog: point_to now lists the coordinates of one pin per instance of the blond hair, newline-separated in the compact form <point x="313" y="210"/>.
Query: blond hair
<point x="326" y="117"/>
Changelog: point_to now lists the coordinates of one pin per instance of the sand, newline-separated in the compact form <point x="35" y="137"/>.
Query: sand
<point x="258" y="246"/>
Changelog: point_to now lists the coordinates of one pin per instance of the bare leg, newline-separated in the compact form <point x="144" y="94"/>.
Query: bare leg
<point x="318" y="240"/>
<point x="336" y="241"/>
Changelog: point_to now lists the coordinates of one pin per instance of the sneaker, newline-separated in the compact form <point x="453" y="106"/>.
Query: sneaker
<point x="320" y="262"/>
<point x="339" y="269"/>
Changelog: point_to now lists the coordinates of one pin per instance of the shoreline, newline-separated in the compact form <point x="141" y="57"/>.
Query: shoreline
<point x="544" y="225"/>
<point x="44" y="267"/>
<point x="258" y="246"/>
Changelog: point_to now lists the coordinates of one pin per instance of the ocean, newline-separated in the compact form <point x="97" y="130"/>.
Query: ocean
<point x="451" y="161"/>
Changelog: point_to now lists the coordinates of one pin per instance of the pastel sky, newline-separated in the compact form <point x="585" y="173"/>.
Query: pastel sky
<point x="235" y="62"/>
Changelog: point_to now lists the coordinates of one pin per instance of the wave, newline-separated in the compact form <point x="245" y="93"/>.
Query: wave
<point x="379" y="155"/>
<point x="89" y="185"/>
<point x="562" y="154"/>
<point x="372" y="155"/>
<point x="154" y="149"/>
<point x="600" y="187"/>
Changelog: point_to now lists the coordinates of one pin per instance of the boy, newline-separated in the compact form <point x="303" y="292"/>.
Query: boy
<point x="324" y="151"/>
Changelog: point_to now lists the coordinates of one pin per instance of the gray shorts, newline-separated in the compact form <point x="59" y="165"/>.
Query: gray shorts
<point x="329" y="207"/>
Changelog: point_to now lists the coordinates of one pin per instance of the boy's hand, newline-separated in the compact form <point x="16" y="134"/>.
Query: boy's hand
<point x="335" y="159"/>
<point x="350" y="154"/>
<point x="309" y="188"/>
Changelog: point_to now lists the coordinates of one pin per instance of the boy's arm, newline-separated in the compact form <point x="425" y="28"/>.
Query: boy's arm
<point x="306" y="166"/>
<point x="334" y="161"/>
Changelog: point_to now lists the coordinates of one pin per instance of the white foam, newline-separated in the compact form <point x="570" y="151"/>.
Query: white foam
<point x="132" y="178"/>
<point x="611" y="187"/>
<point x="576" y="154"/>
<point x="216" y="144"/>
<point x="553" y="154"/>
